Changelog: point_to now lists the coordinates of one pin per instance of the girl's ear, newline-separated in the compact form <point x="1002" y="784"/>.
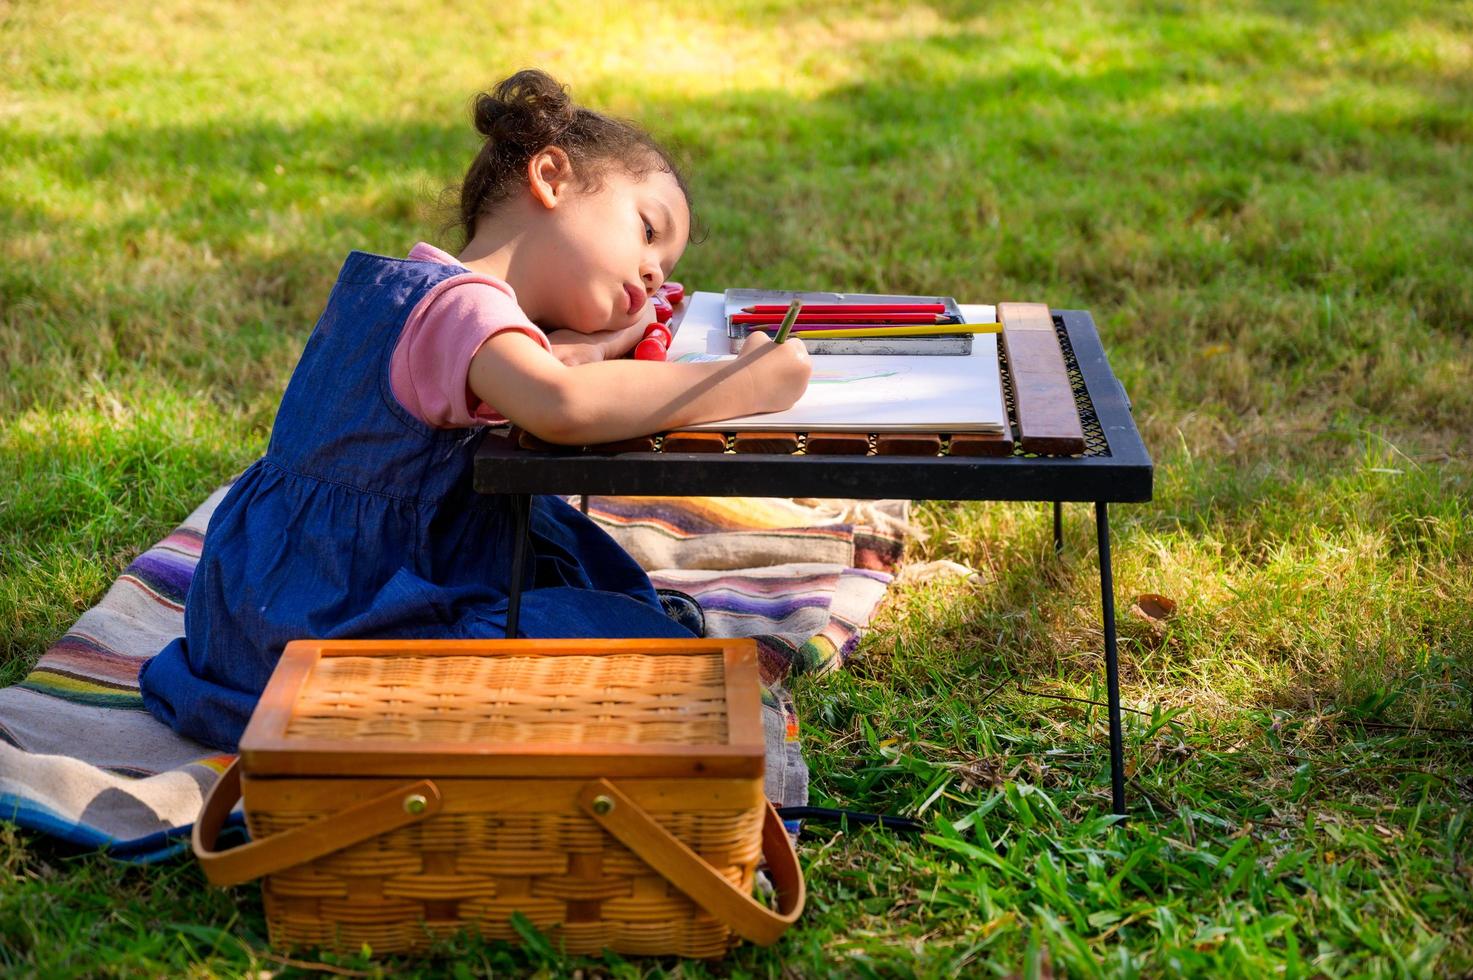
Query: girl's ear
<point x="549" y="175"/>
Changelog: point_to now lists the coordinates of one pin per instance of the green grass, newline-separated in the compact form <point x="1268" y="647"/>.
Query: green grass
<point x="1264" y="204"/>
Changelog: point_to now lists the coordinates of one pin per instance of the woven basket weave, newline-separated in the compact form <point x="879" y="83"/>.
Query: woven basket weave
<point x="610" y="791"/>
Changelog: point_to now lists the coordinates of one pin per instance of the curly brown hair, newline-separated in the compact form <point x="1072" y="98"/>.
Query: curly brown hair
<point x="531" y="111"/>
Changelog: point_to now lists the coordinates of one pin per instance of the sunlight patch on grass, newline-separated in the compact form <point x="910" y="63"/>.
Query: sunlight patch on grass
<point x="1419" y="46"/>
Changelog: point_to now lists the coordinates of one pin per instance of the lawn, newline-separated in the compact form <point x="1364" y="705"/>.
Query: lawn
<point x="1265" y="205"/>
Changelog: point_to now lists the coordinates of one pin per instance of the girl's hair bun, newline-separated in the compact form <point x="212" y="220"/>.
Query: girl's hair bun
<point x="527" y="111"/>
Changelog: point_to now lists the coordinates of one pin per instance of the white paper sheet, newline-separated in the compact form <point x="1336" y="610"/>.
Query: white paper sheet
<point x="867" y="393"/>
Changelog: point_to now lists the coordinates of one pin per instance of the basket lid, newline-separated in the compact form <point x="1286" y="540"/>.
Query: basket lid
<point x="554" y="708"/>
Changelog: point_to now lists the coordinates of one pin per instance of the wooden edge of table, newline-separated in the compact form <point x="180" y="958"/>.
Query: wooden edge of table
<point x="1043" y="398"/>
<point x="780" y="443"/>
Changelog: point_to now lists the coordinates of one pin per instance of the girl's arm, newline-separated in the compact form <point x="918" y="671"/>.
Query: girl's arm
<point x="607" y="401"/>
<point x="572" y="347"/>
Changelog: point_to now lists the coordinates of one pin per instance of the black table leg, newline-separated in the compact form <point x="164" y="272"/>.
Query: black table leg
<point x="1112" y="663"/>
<point x="1058" y="528"/>
<point x="521" y="508"/>
<point x="583" y="502"/>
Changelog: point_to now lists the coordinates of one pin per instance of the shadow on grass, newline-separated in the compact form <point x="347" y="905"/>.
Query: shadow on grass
<point x="204" y="253"/>
<point x="1277" y="231"/>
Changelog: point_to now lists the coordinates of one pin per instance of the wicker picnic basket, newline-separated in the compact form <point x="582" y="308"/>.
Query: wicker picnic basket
<point x="608" y="790"/>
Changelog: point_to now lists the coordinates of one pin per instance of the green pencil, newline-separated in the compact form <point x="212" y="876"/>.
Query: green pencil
<point x="792" y="315"/>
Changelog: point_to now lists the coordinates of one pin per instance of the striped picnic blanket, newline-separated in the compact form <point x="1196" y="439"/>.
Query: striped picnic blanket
<point x="82" y="760"/>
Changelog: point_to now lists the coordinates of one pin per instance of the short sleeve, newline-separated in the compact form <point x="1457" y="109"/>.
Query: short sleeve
<point x="431" y="362"/>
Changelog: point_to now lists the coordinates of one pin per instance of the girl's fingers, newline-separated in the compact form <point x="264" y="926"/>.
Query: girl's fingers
<point x="755" y="341"/>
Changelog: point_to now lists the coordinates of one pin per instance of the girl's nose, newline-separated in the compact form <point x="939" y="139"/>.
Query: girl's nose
<point x="653" y="278"/>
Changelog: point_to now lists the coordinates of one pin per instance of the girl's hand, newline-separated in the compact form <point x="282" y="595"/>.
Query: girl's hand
<point x="573" y="348"/>
<point x="779" y="371"/>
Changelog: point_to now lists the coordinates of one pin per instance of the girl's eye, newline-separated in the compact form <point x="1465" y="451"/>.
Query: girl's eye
<point x="649" y="233"/>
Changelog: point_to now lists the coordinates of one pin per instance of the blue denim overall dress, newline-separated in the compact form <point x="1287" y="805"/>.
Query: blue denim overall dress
<point x="360" y="521"/>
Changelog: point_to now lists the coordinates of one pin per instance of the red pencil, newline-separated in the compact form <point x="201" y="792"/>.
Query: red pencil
<point x="851" y="308"/>
<point x="843" y="317"/>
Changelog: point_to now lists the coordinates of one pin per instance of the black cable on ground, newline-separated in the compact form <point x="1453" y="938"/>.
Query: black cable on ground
<point x="824" y="814"/>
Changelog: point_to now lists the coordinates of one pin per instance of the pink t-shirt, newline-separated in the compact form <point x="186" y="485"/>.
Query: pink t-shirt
<point x="431" y="363"/>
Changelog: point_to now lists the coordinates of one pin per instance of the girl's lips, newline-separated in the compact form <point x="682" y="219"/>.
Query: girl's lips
<point x="636" y="298"/>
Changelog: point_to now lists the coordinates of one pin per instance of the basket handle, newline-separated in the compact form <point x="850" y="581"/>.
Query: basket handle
<point x="687" y="871"/>
<point x="388" y="811"/>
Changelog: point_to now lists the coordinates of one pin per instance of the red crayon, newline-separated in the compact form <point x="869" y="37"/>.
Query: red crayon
<point x="649" y="349"/>
<point x="658" y="331"/>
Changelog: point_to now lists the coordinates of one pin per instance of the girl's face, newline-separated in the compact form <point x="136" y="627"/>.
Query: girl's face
<point x="601" y="254"/>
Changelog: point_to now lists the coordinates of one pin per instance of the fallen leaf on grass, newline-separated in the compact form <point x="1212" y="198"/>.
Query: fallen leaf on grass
<point x="1154" y="608"/>
<point x="986" y="772"/>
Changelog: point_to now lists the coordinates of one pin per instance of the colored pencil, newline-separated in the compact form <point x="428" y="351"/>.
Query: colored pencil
<point x="860" y="324"/>
<point x="916" y="330"/>
<point x="846" y="318"/>
<point x="782" y="332"/>
<point x="801" y="329"/>
<point x="853" y="308"/>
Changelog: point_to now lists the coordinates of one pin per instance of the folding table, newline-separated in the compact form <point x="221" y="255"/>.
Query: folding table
<point x="1113" y="467"/>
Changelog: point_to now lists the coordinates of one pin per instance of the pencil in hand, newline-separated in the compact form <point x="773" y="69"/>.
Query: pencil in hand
<point x="782" y="332"/>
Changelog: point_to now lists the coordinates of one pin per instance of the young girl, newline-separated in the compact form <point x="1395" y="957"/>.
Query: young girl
<point x="360" y="520"/>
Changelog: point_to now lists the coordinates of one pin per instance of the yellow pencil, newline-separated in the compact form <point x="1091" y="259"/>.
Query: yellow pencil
<point x="920" y="330"/>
